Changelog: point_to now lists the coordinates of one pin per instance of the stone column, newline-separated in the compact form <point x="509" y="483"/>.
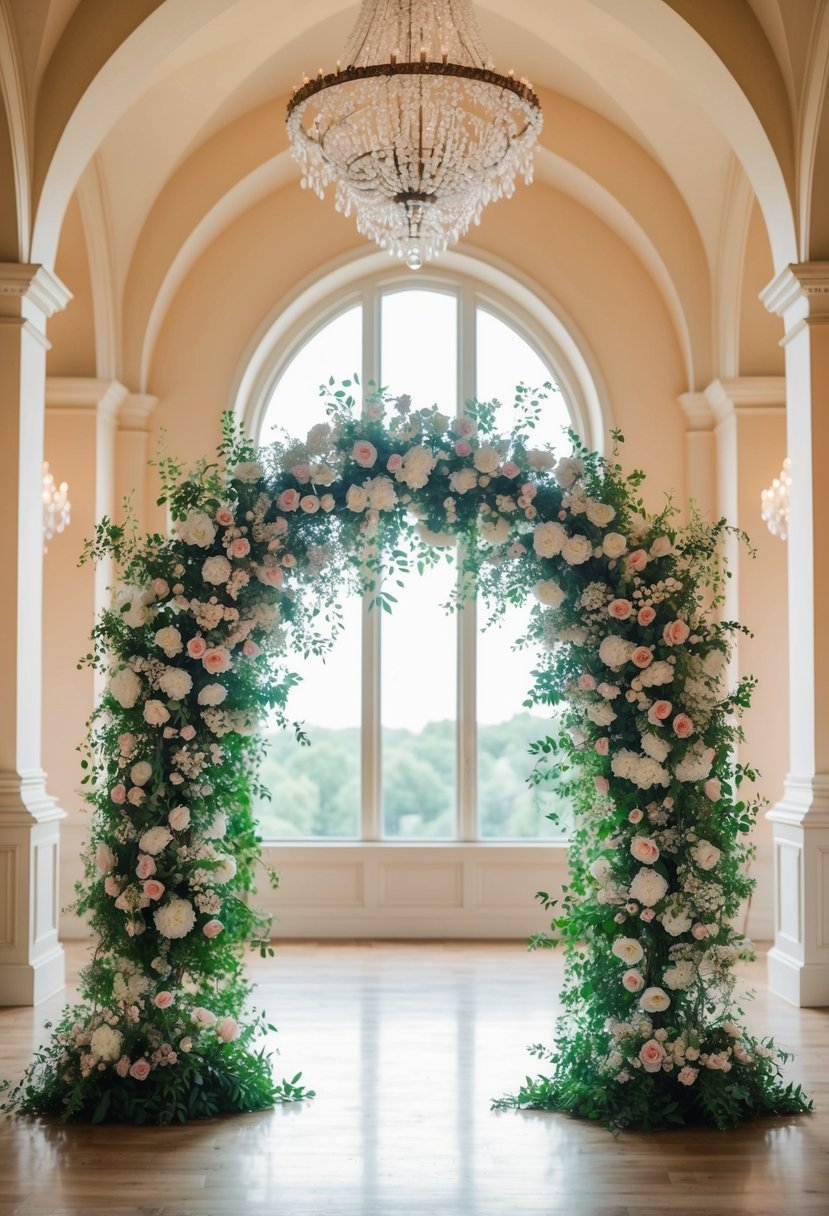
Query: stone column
<point x="81" y="417"/>
<point x="750" y="438"/>
<point x="799" y="961"/>
<point x="31" y="959"/>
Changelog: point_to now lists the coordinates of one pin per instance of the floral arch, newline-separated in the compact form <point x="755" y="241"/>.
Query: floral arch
<point x="626" y="629"/>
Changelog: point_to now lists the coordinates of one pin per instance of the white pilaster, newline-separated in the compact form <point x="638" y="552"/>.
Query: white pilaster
<point x="132" y="454"/>
<point x="699" y="452"/>
<point x="799" y="961"/>
<point x="31" y="958"/>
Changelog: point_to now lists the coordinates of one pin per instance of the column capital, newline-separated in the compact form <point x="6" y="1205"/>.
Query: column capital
<point x="29" y="283"/>
<point x="135" y="411"/>
<point x="697" y="410"/>
<point x="86" y="394"/>
<point x="799" y="294"/>
<point x="746" y="395"/>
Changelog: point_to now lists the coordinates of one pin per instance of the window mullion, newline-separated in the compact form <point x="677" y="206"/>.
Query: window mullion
<point x="467" y="728"/>
<point x="370" y="768"/>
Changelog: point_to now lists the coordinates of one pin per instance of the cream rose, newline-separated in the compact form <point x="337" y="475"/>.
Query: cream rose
<point x="175" y="919"/>
<point x="169" y="639"/>
<point x="141" y="772"/>
<point x="463" y="480"/>
<point x="549" y="592"/>
<point x="496" y="531"/>
<point x="487" y="460"/>
<point x="247" y="471"/>
<point x="705" y="854"/>
<point x="600" y="513"/>
<point x="576" y="550"/>
<point x="155" y="840"/>
<point x="567" y="470"/>
<point x="156" y="713"/>
<point x="125" y="687"/>
<point x="196" y="529"/>
<point x="212" y="694"/>
<point x="176" y="683"/>
<point x="628" y="950"/>
<point x="614" y="545"/>
<point x="648" y="887"/>
<point x="549" y="539"/>
<point x="654" y="1000"/>
<point x="216" y="570"/>
<point x="356" y="499"/>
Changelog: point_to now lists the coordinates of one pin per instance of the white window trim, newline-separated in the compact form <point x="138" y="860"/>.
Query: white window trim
<point x="373" y="887"/>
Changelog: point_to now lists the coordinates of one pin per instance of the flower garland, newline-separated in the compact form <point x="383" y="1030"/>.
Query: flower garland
<point x="262" y="544"/>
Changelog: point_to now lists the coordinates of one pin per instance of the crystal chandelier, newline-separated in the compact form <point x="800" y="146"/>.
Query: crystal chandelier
<point x="56" y="506"/>
<point x="417" y="133"/>
<point x="774" y="502"/>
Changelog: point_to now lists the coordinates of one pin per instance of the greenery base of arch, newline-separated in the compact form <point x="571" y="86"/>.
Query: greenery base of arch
<point x="629" y="644"/>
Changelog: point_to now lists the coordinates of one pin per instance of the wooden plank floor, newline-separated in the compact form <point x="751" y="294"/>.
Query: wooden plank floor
<point x="406" y="1044"/>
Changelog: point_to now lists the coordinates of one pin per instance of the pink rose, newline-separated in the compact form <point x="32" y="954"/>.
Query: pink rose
<point x="280" y="525"/>
<point x="364" y="453"/>
<point x="224" y="516"/>
<point x="646" y="615"/>
<point x="213" y="928"/>
<point x="136" y="795"/>
<point x="161" y="587"/>
<point x="642" y="657"/>
<point x="463" y="448"/>
<point x="196" y="647"/>
<point x="659" y="711"/>
<point x="395" y="462"/>
<point x="118" y="794"/>
<point x="188" y="732"/>
<point x="633" y="980"/>
<point x="683" y="726"/>
<point x="186" y="1044"/>
<point x="463" y="427"/>
<point x="310" y="504"/>
<point x="327" y="502"/>
<point x="126" y="743"/>
<point x="602" y="746"/>
<point x="647" y="914"/>
<point x="620" y="610"/>
<point x="675" y="633"/>
<point x="163" y="1000"/>
<point x="239" y="547"/>
<point x="288" y="561"/>
<point x="687" y="1075"/>
<point x="153" y="889"/>
<point x="699" y="931"/>
<point x="289" y="500"/>
<point x="587" y="682"/>
<point x="179" y="818"/>
<point x="652" y="1054"/>
<point x="601" y="784"/>
<point x="140" y="1070"/>
<point x="271" y="576"/>
<point x="227" y="1029"/>
<point x="528" y="490"/>
<point x="644" y="849"/>
<point x="216" y="660"/>
<point x="169" y="732"/>
<point x="250" y="649"/>
<point x="635" y="815"/>
<point x="510" y="469"/>
<point x="713" y="789"/>
<point x="637" y="560"/>
<point x="112" y="885"/>
<point x="146" y="866"/>
<point x="301" y="472"/>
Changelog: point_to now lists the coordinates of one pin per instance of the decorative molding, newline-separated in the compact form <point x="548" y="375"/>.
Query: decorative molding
<point x="36" y="284"/>
<point x="9" y="863"/>
<point x="800" y="289"/>
<point x="746" y="394"/>
<point x="805" y="802"/>
<point x="136" y="411"/>
<point x="86" y="394"/>
<point x="24" y="800"/>
<point x="97" y="226"/>
<point x="18" y="112"/>
<point x="699" y="415"/>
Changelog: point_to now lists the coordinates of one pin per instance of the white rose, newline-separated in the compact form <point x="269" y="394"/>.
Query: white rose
<point x="487" y="460"/>
<point x="418" y="463"/>
<point x="681" y="975"/>
<point x="212" y="694"/>
<point x="567" y="470"/>
<point x="380" y="493"/>
<point x="623" y="763"/>
<point x="577" y="550"/>
<point x="224" y="871"/>
<point x="105" y="859"/>
<point x="134" y="606"/>
<point x="614" y="545"/>
<point x="658" y="673"/>
<point x="601" y="870"/>
<point x="661" y="547"/>
<point x="602" y="714"/>
<point x="706" y="855"/>
<point x="125" y="687"/>
<point x="169" y="639"/>
<point x="155" y="713"/>
<point x="463" y="480"/>
<point x="197" y="529"/>
<point x="615" y="651"/>
<point x="322" y="474"/>
<point x="648" y="887"/>
<point x="654" y="1000"/>
<point x="218" y="827"/>
<point x="141" y="772"/>
<point x="175" y="919"/>
<point x="549" y="592"/>
<point x="540" y="460"/>
<point x="496" y="531"/>
<point x="176" y="683"/>
<point x="655" y="747"/>
<point x="628" y="949"/>
<point x="247" y="471"/>
<point x="600" y="513"/>
<point x="695" y="764"/>
<point x="356" y="499"/>
<point x="216" y="570"/>
<point x="154" y="840"/>
<point x="105" y="1043"/>
<point x="549" y="539"/>
<point x="676" y="920"/>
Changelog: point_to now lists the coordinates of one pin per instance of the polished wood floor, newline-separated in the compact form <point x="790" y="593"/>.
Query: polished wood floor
<point x="406" y="1043"/>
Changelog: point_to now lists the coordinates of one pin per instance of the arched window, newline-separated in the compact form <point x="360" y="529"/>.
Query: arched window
<point x="419" y="732"/>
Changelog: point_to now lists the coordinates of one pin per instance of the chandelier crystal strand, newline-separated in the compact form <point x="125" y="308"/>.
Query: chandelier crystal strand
<point x="418" y="133"/>
<point x="56" y="506"/>
<point x="774" y="502"/>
